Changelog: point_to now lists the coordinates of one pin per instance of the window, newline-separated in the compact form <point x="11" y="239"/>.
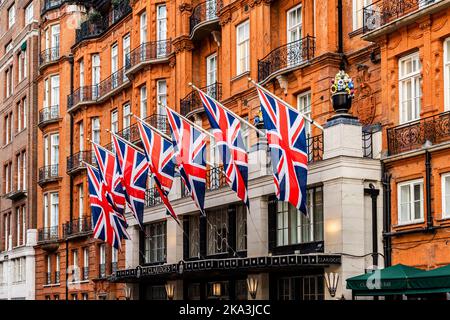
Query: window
<point x="54" y="91"/>
<point x="75" y="272"/>
<point x="410" y="202"/>
<point x="143" y="102"/>
<point x="161" y="97"/>
<point x="126" y="116"/>
<point x="57" y="269"/>
<point x="11" y="16"/>
<point x="18" y="270"/>
<point x="80" y="203"/>
<point x="54" y="150"/>
<point x="24" y="170"/>
<point x="126" y="48"/>
<point x="114" y="65"/>
<point x="446" y="195"/>
<point x="114" y="259"/>
<point x="301" y="288"/>
<point x="7" y="231"/>
<point x="143" y="28"/>
<point x="194" y="236"/>
<point x="95" y="129"/>
<point x="85" y="263"/>
<point x="304" y="106"/>
<point x="81" y="66"/>
<point x="241" y="228"/>
<point x="29" y="13"/>
<point x="9" y="81"/>
<point x="155" y="242"/>
<point x="114" y="121"/>
<point x="95" y="75"/>
<point x="447" y="73"/>
<point x="211" y="75"/>
<point x="294" y="24"/>
<point x="243" y="47"/>
<point x="19" y="171"/>
<point x="49" y="270"/>
<point x="81" y="135"/>
<point x="8" y="121"/>
<point x="102" y="261"/>
<point x="55" y="30"/>
<point x="22" y="64"/>
<point x="161" y="30"/>
<point x="217" y="231"/>
<point x="293" y="227"/>
<point x="51" y="210"/>
<point x="84" y="296"/>
<point x="21" y="112"/>
<point x="410" y="87"/>
<point x="358" y="12"/>
<point x="8" y="180"/>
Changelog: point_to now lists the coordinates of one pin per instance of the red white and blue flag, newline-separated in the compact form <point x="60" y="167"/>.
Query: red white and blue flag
<point x="111" y="177"/>
<point x="134" y="169"/>
<point x="227" y="133"/>
<point x="160" y="157"/>
<point x="109" y="226"/>
<point x="287" y="141"/>
<point x="190" y="147"/>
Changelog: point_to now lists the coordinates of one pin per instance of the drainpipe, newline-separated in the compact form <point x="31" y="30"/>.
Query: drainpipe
<point x="374" y="196"/>
<point x="340" y="36"/>
<point x="70" y="178"/>
<point x="428" y="189"/>
<point x="386" y="215"/>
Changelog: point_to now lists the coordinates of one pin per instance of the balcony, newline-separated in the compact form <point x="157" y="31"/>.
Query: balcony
<point x="48" y="115"/>
<point x="57" y="276"/>
<point x="50" y="234"/>
<point x="16" y="194"/>
<point x="48" y="174"/>
<point x="48" y="56"/>
<point x="148" y="53"/>
<point x="102" y="270"/>
<point x="75" y="162"/>
<point x="85" y="273"/>
<point x="315" y="148"/>
<point x="192" y="104"/>
<point x="114" y="83"/>
<point x="82" y="96"/>
<point x="413" y="135"/>
<point x="47" y="5"/>
<point x="96" y="27"/>
<point x="132" y="134"/>
<point x="77" y="227"/>
<point x="215" y="179"/>
<point x="385" y="12"/>
<point x="286" y="58"/>
<point x="152" y="197"/>
<point x="204" y="18"/>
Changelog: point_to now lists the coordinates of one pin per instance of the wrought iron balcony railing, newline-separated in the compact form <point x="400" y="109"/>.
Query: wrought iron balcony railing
<point x="48" y="234"/>
<point x="86" y="94"/>
<point x="215" y="178"/>
<point x="152" y="197"/>
<point x="382" y="12"/>
<point x="102" y="270"/>
<point x="315" y="148"/>
<point x="57" y="277"/>
<point x="49" y="114"/>
<point x="286" y="57"/>
<point x="85" y="273"/>
<point x="147" y="52"/>
<point x="48" y="278"/>
<point x="192" y="101"/>
<point x="48" y="56"/>
<point x="114" y="81"/>
<point x="203" y="12"/>
<point x="76" y="161"/>
<point x="48" y="173"/>
<point x="47" y="5"/>
<point x="96" y="27"/>
<point x="132" y="134"/>
<point x="114" y="267"/>
<point x="411" y="136"/>
<point x="77" y="227"/>
<point x="367" y="140"/>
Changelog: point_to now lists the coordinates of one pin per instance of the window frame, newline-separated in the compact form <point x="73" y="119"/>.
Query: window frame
<point x="444" y="191"/>
<point x="411" y="184"/>
<point x="239" y="43"/>
<point x="413" y="76"/>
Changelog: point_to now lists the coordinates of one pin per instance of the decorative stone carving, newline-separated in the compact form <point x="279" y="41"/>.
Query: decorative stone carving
<point x="182" y="44"/>
<point x="185" y="7"/>
<point x="364" y="102"/>
<point x="172" y="61"/>
<point x="225" y="17"/>
<point x="283" y="82"/>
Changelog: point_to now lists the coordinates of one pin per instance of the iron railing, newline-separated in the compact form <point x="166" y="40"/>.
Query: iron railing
<point x="47" y="5"/>
<point x="48" y="234"/>
<point x="49" y="55"/>
<point x="286" y="57"/>
<point x="57" y="276"/>
<point x="85" y="273"/>
<point x="102" y="270"/>
<point x="48" y="277"/>
<point x="367" y="144"/>
<point x="382" y="12"/>
<point x="96" y="27"/>
<point x="114" y="81"/>
<point x="413" y="135"/>
<point x="85" y="94"/>
<point x="315" y="148"/>
<point x="78" y="226"/>
<point x="148" y="51"/>
<point x="192" y="101"/>
<point x="114" y="267"/>
<point x="130" y="133"/>
<point x="215" y="178"/>
<point x="48" y="114"/>
<point x="48" y="173"/>
<point x="203" y="12"/>
<point x="76" y="161"/>
<point x="152" y="197"/>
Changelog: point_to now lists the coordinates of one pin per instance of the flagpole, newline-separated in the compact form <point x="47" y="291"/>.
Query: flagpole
<point x="165" y="136"/>
<point x="234" y="114"/>
<point x="92" y="142"/>
<point x="125" y="141"/>
<point x="189" y="121"/>
<point x="286" y="104"/>
<point x="88" y="164"/>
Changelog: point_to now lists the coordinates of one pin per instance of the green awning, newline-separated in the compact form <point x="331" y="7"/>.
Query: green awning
<point x="391" y="278"/>
<point x="401" y="279"/>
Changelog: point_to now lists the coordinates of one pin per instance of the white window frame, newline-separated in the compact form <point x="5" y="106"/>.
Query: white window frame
<point x="358" y="13"/>
<point x="302" y="98"/>
<point x="402" y="79"/>
<point x="143" y="28"/>
<point x="143" y="102"/>
<point x="95" y="124"/>
<point x="297" y="27"/>
<point x="29" y="13"/>
<point x="114" y="121"/>
<point x="243" y="41"/>
<point x="126" y="45"/>
<point x="411" y="212"/>
<point x="445" y="194"/>
<point x="11" y="16"/>
<point x="447" y="74"/>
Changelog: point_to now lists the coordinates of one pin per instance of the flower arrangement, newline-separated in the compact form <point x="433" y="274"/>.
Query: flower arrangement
<point x="343" y="83"/>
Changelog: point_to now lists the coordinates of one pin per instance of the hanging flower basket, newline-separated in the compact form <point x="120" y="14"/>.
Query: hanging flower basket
<point x="342" y="92"/>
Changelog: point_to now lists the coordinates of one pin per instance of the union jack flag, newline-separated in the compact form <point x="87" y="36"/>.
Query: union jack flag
<point x="190" y="146"/>
<point x="111" y="177"/>
<point x="134" y="168"/>
<point x="287" y="141"/>
<point x="227" y="133"/>
<point x="109" y="226"/>
<point x="160" y="156"/>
